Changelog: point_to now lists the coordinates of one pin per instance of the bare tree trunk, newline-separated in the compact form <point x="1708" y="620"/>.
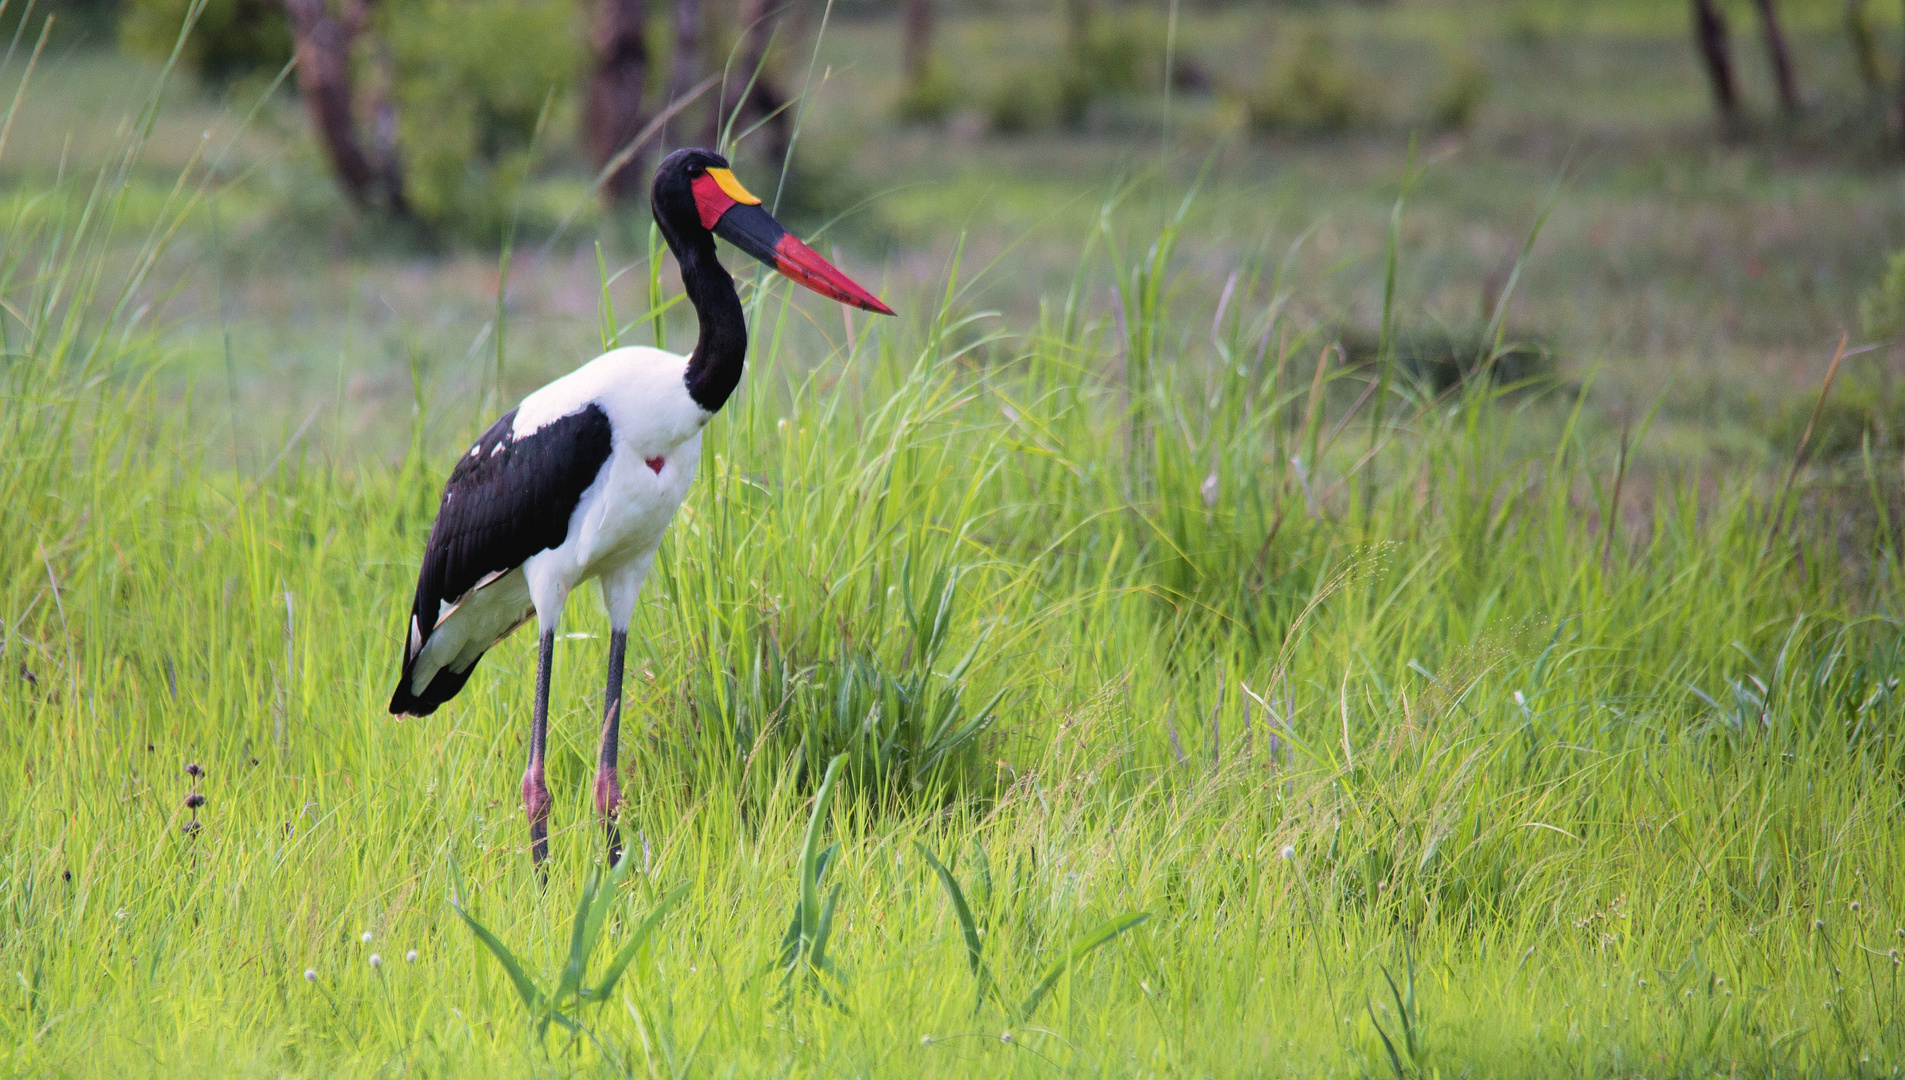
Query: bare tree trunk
<point x="1865" y="48"/>
<point x="764" y="100"/>
<point x="323" y="42"/>
<point x="1078" y="16"/>
<point x="916" y="47"/>
<point x="1779" y="56"/>
<point x="1901" y="85"/>
<point x="612" y="112"/>
<point x="1709" y="35"/>
<point x="685" y="65"/>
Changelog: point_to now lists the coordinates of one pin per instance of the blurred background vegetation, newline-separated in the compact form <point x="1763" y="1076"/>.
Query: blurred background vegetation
<point x="1720" y="177"/>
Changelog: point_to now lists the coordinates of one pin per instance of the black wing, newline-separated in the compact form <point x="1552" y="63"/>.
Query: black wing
<point x="506" y="500"/>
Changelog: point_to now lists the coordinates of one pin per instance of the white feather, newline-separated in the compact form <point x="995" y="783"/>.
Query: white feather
<point x="617" y="524"/>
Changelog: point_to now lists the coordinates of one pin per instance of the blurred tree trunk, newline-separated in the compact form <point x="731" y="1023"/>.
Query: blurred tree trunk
<point x="612" y="113"/>
<point x="373" y="180"/>
<point x="916" y="47"/>
<point x="1709" y="36"/>
<point x="764" y="102"/>
<point x="1779" y="56"/>
<point x="1078" y="16"/>
<point x="684" y="65"/>
<point x="1901" y="83"/>
<point x="1865" y="48"/>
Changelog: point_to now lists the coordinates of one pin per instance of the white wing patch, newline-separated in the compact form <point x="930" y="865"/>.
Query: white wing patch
<point x="478" y="620"/>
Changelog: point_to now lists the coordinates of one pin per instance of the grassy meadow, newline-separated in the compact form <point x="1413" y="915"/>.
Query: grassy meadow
<point x="1536" y="726"/>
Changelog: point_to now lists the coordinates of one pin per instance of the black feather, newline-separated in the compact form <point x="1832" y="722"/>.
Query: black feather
<point x="505" y="501"/>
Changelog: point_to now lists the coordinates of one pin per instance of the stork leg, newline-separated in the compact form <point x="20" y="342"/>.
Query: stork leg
<point x="608" y="792"/>
<point x="535" y="792"/>
<point x="620" y="586"/>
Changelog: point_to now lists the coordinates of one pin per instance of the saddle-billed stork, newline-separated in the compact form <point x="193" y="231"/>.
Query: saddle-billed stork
<point x="581" y="479"/>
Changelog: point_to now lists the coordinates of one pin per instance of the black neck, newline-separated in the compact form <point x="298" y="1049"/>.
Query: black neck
<point x="714" y="368"/>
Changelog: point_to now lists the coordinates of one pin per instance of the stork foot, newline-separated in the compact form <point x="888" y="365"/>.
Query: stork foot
<point x="608" y="806"/>
<point x="536" y="802"/>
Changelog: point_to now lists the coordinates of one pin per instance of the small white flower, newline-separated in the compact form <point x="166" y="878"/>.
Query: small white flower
<point x="926" y="1040"/>
<point x="1209" y="490"/>
<point x="376" y="961"/>
<point x="1005" y="1037"/>
<point x="1519" y="700"/>
<point x="410" y="957"/>
<point x="367" y="937"/>
<point x="1287" y="853"/>
<point x="310" y="975"/>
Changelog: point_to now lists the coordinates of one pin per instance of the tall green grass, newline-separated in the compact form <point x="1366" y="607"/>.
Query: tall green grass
<point x="1410" y="768"/>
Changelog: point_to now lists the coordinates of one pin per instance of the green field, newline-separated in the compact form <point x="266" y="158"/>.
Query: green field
<point x="1534" y="728"/>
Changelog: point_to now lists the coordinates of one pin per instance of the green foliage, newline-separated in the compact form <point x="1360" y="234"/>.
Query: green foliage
<point x="803" y="956"/>
<point x="1441" y="357"/>
<point x="930" y="99"/>
<point x="1124" y="54"/>
<point x="1882" y="308"/>
<point x="1312" y="90"/>
<point x="985" y="986"/>
<point x="1864" y="412"/>
<point x="562" y="1002"/>
<point x="231" y="38"/>
<point x="472" y="79"/>
<point x="1025" y="99"/>
<point x="1461" y="95"/>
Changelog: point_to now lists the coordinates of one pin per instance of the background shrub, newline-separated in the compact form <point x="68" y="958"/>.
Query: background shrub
<point x="231" y="39"/>
<point x="1312" y="90"/>
<point x="930" y="99"/>
<point x="1462" y="95"/>
<point x="472" y="79"/>
<point x="1024" y="99"/>
<point x="1882" y="308"/>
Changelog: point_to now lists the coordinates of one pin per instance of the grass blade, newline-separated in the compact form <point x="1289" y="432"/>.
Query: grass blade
<point x="613" y="973"/>
<point x="1081" y="948"/>
<point x="809" y="856"/>
<point x="525" y="986"/>
<point x="968" y="926"/>
<point x="588" y="921"/>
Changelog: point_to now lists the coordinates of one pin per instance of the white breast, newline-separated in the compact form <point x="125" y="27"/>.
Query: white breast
<point x="624" y="514"/>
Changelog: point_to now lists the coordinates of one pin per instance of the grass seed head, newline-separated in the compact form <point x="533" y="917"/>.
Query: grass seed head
<point x="194" y="801"/>
<point x="194" y="770"/>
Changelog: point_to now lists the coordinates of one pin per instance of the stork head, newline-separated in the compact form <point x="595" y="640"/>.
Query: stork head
<point x="696" y="198"/>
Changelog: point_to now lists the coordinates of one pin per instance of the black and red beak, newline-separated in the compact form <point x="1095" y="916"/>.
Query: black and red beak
<point x="734" y="215"/>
